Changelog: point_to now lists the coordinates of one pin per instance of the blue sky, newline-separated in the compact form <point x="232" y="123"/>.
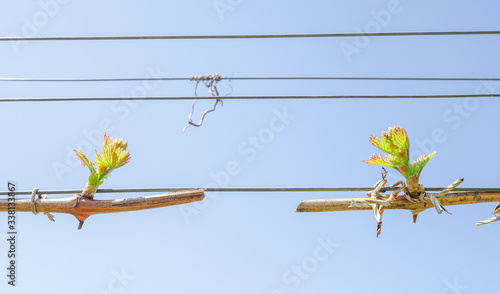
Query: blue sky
<point x="250" y="242"/>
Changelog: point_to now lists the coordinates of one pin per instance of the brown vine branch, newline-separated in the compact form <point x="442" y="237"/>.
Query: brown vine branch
<point x="82" y="208"/>
<point x="344" y="204"/>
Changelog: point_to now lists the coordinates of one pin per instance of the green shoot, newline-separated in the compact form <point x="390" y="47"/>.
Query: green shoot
<point x="396" y="144"/>
<point x="114" y="155"/>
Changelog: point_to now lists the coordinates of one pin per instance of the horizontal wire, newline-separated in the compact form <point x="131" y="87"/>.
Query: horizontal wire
<point x="240" y="78"/>
<point x="236" y="189"/>
<point x="264" y="36"/>
<point x="46" y="99"/>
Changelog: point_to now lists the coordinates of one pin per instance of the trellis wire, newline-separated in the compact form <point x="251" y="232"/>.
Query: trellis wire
<point x="256" y="36"/>
<point x="308" y="97"/>
<point x="458" y="79"/>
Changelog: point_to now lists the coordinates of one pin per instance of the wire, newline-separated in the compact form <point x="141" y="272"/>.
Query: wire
<point x="275" y="36"/>
<point x="236" y="189"/>
<point x="240" y="78"/>
<point x="44" y="99"/>
<point x="89" y="79"/>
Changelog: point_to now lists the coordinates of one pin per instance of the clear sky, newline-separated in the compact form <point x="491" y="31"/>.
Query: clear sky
<point x="250" y="242"/>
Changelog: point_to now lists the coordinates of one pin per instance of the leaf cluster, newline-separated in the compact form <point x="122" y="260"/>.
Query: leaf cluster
<point x="396" y="144"/>
<point x="114" y="155"/>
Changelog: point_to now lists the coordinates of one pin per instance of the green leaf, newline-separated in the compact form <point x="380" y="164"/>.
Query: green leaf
<point x="399" y="138"/>
<point x="85" y="161"/>
<point x="113" y="157"/>
<point x="380" y="160"/>
<point x="418" y="165"/>
<point x="394" y="141"/>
